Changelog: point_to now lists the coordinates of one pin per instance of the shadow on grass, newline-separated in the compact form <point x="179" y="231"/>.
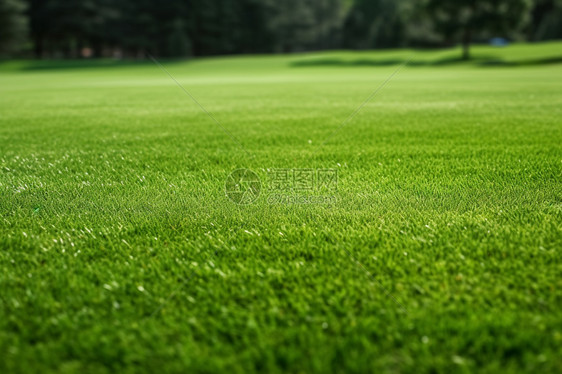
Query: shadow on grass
<point x="481" y="60"/>
<point x="46" y="65"/>
<point x="485" y="61"/>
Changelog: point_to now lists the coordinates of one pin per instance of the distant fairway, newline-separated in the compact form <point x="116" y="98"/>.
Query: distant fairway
<point x="119" y="251"/>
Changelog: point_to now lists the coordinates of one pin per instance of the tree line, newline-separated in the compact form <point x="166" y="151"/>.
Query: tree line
<point x="178" y="28"/>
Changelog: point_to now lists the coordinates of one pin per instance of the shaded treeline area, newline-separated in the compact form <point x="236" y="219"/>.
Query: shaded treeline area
<point x="174" y="28"/>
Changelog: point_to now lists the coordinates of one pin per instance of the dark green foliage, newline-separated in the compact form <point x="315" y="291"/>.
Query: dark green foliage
<point x="13" y="26"/>
<point x="180" y="28"/>
<point x="176" y="28"/>
<point x="546" y="20"/>
<point x="463" y="20"/>
<point x="374" y="24"/>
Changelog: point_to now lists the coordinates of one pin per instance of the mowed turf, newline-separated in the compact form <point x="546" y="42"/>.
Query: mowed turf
<point x="119" y="251"/>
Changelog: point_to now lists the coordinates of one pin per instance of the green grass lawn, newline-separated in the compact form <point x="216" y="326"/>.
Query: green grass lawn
<point x="119" y="251"/>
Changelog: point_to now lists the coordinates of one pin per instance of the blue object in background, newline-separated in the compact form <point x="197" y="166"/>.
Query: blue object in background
<point x="499" y="42"/>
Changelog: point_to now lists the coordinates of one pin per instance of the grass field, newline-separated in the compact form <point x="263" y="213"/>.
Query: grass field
<point x="119" y="251"/>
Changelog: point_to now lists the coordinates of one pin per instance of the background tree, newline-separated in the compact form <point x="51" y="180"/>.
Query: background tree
<point x="175" y="28"/>
<point x="293" y="22"/>
<point x="465" y="19"/>
<point x="13" y="26"/>
<point x="374" y="24"/>
<point x="546" y="20"/>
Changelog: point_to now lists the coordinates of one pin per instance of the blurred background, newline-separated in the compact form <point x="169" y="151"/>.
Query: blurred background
<point x="71" y="29"/>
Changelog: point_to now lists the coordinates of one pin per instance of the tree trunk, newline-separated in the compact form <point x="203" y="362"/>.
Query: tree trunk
<point x="39" y="47"/>
<point x="97" y="49"/>
<point x="466" y="39"/>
